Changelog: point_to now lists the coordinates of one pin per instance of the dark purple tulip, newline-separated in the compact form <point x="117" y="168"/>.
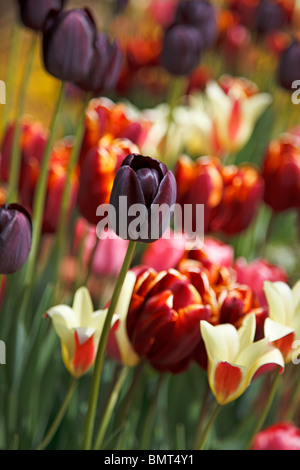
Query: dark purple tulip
<point x="269" y="17"/>
<point x="33" y="13"/>
<point x="182" y="47"/>
<point x="201" y="15"/>
<point x="144" y="184"/>
<point x="289" y="66"/>
<point x="68" y="44"/>
<point x="15" y="237"/>
<point x="106" y="66"/>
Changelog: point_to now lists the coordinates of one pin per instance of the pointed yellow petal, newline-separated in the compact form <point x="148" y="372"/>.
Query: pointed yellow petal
<point x="274" y="330"/>
<point x="83" y="306"/>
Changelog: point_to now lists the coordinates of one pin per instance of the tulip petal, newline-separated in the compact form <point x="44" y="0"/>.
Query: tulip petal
<point x="274" y="330"/>
<point x="275" y="302"/>
<point x="227" y="381"/>
<point x="83" y="307"/>
<point x="221" y="341"/>
<point x="84" y="350"/>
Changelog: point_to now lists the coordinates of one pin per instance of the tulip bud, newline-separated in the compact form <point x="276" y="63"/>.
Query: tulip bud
<point x="289" y="65"/>
<point x="69" y="44"/>
<point x="201" y="15"/>
<point x="182" y="47"/>
<point x="15" y="237"/>
<point x="270" y="17"/>
<point x="105" y="68"/>
<point x="33" y="14"/>
<point x="146" y="183"/>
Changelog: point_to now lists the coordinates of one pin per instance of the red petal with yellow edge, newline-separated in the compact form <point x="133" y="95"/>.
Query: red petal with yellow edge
<point x="227" y="379"/>
<point x="84" y="354"/>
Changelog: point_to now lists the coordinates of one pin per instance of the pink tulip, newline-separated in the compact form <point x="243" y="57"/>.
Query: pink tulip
<point x="165" y="253"/>
<point x="110" y="251"/>
<point x="280" y="436"/>
<point x="254" y="275"/>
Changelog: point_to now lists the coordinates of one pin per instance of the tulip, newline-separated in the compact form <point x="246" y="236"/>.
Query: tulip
<point x="283" y="324"/>
<point x="69" y="45"/>
<point x="255" y="273"/>
<point x="279" y="436"/>
<point x="33" y="14"/>
<point x="281" y="173"/>
<point x="15" y="237"/>
<point x="245" y="11"/>
<point x="109" y="253"/>
<point x="181" y="51"/>
<point x="199" y="182"/>
<point x="269" y="17"/>
<point x="289" y="65"/>
<point x="105" y="67"/>
<point x="97" y="175"/>
<point x="33" y="141"/>
<point x="104" y="118"/>
<point x="79" y="329"/>
<point x="201" y="15"/>
<point x="235" y="105"/>
<point x="146" y="183"/>
<point x="242" y="195"/>
<point x="165" y="253"/>
<point x="118" y="345"/>
<point x="163" y="318"/>
<point x="234" y="358"/>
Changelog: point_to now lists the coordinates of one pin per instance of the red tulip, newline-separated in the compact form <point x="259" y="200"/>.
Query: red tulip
<point x="163" y="318"/>
<point x="33" y="142"/>
<point x="199" y="182"/>
<point x="97" y="175"/>
<point x="241" y="198"/>
<point x="281" y="173"/>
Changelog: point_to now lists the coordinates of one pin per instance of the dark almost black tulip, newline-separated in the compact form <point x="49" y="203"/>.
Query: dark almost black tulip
<point x="121" y="5"/>
<point x="105" y="67"/>
<point x="15" y="237"/>
<point x="269" y="17"/>
<point x="181" y="51"/>
<point x="68" y="44"/>
<point x="289" y="66"/>
<point x="33" y="13"/>
<point x="142" y="184"/>
<point x="201" y="15"/>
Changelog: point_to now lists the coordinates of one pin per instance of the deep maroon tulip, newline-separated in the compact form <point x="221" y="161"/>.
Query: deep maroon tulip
<point x="289" y="66"/>
<point x="270" y="17"/>
<point x="201" y="15"/>
<point x="182" y="47"/>
<point x="69" y="44"/>
<point x="15" y="237"/>
<point x="34" y="13"/>
<point x="146" y="184"/>
<point x="106" y="66"/>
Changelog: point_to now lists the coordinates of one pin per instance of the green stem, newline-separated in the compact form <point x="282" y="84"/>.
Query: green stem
<point x="94" y="390"/>
<point x="293" y="406"/>
<point x="176" y="89"/>
<point x="201" y="417"/>
<point x="71" y="167"/>
<point x="148" y="425"/>
<point x="209" y="426"/>
<point x="39" y="203"/>
<point x="59" y="417"/>
<point x="15" y="163"/>
<point x="110" y="407"/>
<point x="266" y="410"/>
